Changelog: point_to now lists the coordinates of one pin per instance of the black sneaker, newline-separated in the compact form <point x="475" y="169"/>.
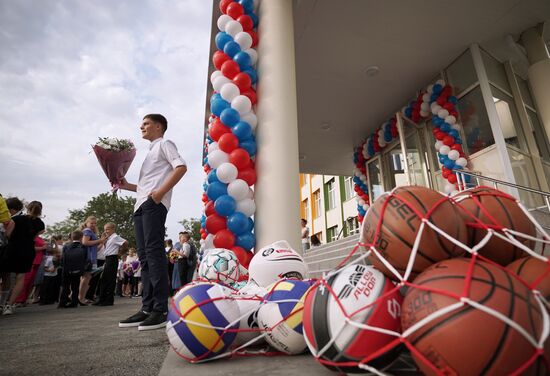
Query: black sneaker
<point x="156" y="320"/>
<point x="134" y="320"/>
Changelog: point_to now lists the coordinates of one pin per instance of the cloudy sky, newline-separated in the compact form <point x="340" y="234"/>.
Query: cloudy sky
<point x="71" y="71"/>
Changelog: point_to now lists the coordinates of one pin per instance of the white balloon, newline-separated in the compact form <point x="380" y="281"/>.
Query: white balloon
<point x="217" y="157"/>
<point x="430" y="89"/>
<point x="238" y="189"/>
<point x="253" y="55"/>
<point x="449" y="188"/>
<point x="215" y="75"/>
<point x="381" y="142"/>
<point x="441" y="82"/>
<point x="246" y="206"/>
<point x="251" y="119"/>
<point x="438" y="145"/>
<point x="209" y="241"/>
<point x="365" y="207"/>
<point x="456" y="127"/>
<point x="426" y="98"/>
<point x="444" y="150"/>
<point x="242" y="104"/>
<point x="435" y="108"/>
<point x="219" y="82"/>
<point x="453" y="155"/>
<point x="244" y="40"/>
<point x="403" y="110"/>
<point x="229" y="91"/>
<point x="450" y="120"/>
<point x="223" y="20"/>
<point x="227" y="172"/>
<point x="443" y="113"/>
<point x="213" y="146"/>
<point x="424" y="113"/>
<point x="361" y="201"/>
<point x="233" y="28"/>
<point x="461" y="162"/>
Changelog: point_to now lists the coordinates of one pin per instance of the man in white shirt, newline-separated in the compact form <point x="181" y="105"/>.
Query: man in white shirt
<point x="305" y="236"/>
<point x="162" y="169"/>
<point x="110" y="248"/>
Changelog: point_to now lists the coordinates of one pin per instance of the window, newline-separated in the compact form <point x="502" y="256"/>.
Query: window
<point x="332" y="234"/>
<point x="305" y="208"/>
<point x="539" y="134"/>
<point x="348" y="188"/>
<point x="353" y="225"/>
<point x="508" y="116"/>
<point x="462" y="73"/>
<point x="477" y="128"/>
<point x="331" y="194"/>
<point x="495" y="71"/>
<point x="316" y="204"/>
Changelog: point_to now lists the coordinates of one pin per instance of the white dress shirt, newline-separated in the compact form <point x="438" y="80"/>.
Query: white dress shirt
<point x="185" y="250"/>
<point x="113" y="243"/>
<point x="162" y="159"/>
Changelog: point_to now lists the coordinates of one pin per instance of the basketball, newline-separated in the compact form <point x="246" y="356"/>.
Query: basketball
<point x="535" y="273"/>
<point x="467" y="340"/>
<point x="498" y="210"/>
<point x="198" y="330"/>
<point x="400" y="214"/>
<point x="357" y="292"/>
<point x="280" y="316"/>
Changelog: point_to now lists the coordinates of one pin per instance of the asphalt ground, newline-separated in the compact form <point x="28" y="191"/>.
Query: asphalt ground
<point x="83" y="341"/>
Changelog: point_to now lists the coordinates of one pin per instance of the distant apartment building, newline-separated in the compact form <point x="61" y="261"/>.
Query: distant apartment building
<point x="328" y="204"/>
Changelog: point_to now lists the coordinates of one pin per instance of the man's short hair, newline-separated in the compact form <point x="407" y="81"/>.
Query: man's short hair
<point x="76" y="235"/>
<point x="303" y="220"/>
<point x="158" y="118"/>
<point x="14" y="203"/>
<point x="111" y="225"/>
<point x="186" y="234"/>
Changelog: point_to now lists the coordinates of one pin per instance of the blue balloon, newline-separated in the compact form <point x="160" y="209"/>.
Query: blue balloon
<point x="230" y="117"/>
<point x="452" y="99"/>
<point x="204" y="186"/>
<point x="408" y="112"/>
<point x="437" y="88"/>
<point x="222" y="38"/>
<point x="433" y="97"/>
<point x="437" y="120"/>
<point x="216" y="189"/>
<point x="250" y="224"/>
<point x="449" y="163"/>
<point x="232" y="48"/>
<point x="218" y="106"/>
<point x="454" y="133"/>
<point x="254" y="18"/>
<point x="252" y="73"/>
<point x="212" y="177"/>
<point x="237" y="223"/>
<point x="243" y="59"/>
<point x="248" y="5"/>
<point x="249" y="146"/>
<point x="215" y="96"/>
<point x="458" y="140"/>
<point x="445" y="127"/>
<point x="247" y="241"/>
<point x="225" y="205"/>
<point x="467" y="178"/>
<point x="242" y="130"/>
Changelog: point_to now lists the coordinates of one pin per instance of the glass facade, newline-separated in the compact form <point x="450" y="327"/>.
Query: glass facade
<point x="475" y="122"/>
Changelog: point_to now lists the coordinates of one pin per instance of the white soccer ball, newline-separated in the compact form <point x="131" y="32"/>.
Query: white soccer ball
<point x="220" y="265"/>
<point x="274" y="262"/>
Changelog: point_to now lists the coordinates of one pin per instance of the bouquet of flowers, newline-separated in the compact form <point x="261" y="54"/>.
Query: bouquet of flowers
<point x="173" y="256"/>
<point x="128" y="270"/>
<point x="115" y="157"/>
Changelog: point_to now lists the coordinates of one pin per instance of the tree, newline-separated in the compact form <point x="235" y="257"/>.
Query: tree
<point x="106" y="208"/>
<point x="193" y="227"/>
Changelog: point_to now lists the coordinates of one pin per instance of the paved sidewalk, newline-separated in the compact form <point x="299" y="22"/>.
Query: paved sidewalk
<point x="86" y="341"/>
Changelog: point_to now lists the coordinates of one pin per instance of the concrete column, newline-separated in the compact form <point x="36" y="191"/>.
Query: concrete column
<point x="539" y="72"/>
<point x="277" y="164"/>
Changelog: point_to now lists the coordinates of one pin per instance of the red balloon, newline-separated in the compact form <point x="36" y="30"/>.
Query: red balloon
<point x="454" y="113"/>
<point x="234" y="10"/>
<point x="219" y="58"/>
<point x="457" y="147"/>
<point x="204" y="197"/>
<point x="203" y="235"/>
<point x="246" y="22"/>
<point x="230" y="69"/>
<point x="215" y="223"/>
<point x="217" y="129"/>
<point x="254" y="37"/>
<point x="209" y="208"/>
<point x="224" y="4"/>
<point x="445" y="174"/>
<point x="242" y="80"/>
<point x="449" y="106"/>
<point x="451" y="178"/>
<point x="435" y="130"/>
<point x="240" y="158"/>
<point x="441" y="100"/>
<point x="228" y="142"/>
<point x="439" y="135"/>
<point x="243" y="255"/>
<point x="248" y="175"/>
<point x="448" y="140"/>
<point x="224" y="239"/>
<point x="251" y="94"/>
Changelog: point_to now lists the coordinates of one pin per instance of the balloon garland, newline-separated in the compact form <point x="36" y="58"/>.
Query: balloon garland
<point x="230" y="144"/>
<point x="437" y="100"/>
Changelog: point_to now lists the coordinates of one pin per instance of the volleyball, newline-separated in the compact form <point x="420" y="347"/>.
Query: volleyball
<point x="199" y="317"/>
<point x="248" y="327"/>
<point x="220" y="265"/>
<point x="280" y="316"/>
<point x="365" y="296"/>
<point x="274" y="262"/>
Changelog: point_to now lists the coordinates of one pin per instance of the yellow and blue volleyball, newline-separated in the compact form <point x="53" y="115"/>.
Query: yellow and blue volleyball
<point x="280" y="315"/>
<point x="202" y="321"/>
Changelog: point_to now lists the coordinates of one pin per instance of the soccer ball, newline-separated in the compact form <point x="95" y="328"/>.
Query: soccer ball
<point x="220" y="265"/>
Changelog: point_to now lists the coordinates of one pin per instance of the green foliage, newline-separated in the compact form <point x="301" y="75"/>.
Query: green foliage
<point x="192" y="226"/>
<point x="106" y="208"/>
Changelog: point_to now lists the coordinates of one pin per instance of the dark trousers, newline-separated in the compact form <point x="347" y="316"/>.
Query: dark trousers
<point x="191" y="272"/>
<point x="183" y="270"/>
<point x="107" y="283"/>
<point x="70" y="283"/>
<point x="48" y="290"/>
<point x="149" y="222"/>
<point x="94" y="284"/>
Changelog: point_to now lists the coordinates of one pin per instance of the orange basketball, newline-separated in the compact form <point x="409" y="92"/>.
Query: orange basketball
<point x="499" y="210"/>
<point x="535" y="272"/>
<point x="467" y="340"/>
<point x="400" y="214"/>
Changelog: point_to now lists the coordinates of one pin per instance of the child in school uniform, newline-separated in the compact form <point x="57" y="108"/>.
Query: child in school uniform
<point x="73" y="263"/>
